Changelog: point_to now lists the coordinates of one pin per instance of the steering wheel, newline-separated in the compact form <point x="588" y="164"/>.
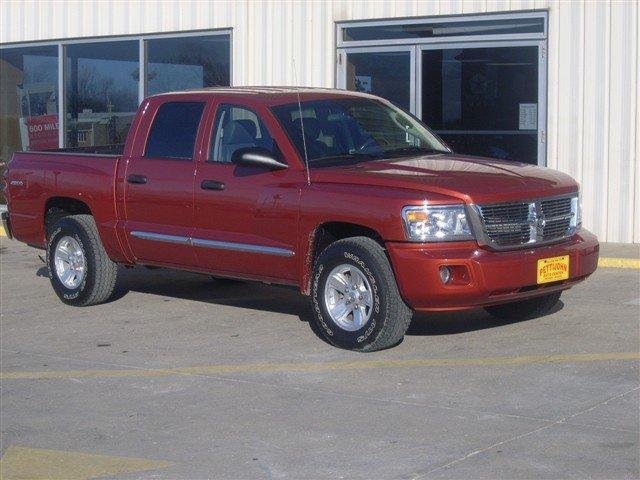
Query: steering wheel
<point x="370" y="142"/>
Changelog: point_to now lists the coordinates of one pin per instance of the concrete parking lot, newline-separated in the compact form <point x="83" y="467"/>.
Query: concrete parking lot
<point x="186" y="377"/>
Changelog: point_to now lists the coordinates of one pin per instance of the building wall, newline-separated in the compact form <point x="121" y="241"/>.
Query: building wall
<point x="593" y="69"/>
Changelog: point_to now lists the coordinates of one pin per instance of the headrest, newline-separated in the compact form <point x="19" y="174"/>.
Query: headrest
<point x="240" y="131"/>
<point x="312" y="127"/>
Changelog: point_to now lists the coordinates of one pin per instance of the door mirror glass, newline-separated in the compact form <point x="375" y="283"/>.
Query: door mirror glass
<point x="257" y="157"/>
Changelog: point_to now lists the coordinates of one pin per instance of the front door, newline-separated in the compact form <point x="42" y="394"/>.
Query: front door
<point x="159" y="187"/>
<point x="245" y="217"/>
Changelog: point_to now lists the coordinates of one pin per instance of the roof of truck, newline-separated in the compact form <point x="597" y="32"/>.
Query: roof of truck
<point x="273" y="95"/>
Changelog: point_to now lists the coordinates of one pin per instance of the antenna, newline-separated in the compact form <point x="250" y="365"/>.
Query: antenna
<point x="304" y="139"/>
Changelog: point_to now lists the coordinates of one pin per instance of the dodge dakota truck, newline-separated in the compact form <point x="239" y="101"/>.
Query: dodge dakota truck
<point x="340" y="194"/>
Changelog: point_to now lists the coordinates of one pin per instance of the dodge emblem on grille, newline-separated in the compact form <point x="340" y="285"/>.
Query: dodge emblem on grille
<point x="537" y="222"/>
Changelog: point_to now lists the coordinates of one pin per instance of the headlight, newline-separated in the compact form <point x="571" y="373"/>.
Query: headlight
<point x="436" y="223"/>
<point x="576" y="212"/>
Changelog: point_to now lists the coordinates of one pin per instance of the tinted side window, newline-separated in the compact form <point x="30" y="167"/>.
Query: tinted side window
<point x="235" y="128"/>
<point x="174" y="129"/>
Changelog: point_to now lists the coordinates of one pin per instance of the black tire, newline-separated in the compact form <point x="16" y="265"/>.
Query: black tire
<point x="101" y="273"/>
<point x="525" y="309"/>
<point x="226" y="280"/>
<point x="390" y="316"/>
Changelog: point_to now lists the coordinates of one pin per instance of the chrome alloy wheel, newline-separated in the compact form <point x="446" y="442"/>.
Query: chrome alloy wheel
<point x="348" y="297"/>
<point x="70" y="263"/>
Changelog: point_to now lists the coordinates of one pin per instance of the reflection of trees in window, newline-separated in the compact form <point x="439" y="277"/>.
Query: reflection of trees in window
<point x="101" y="94"/>
<point x="189" y="70"/>
<point x="41" y="70"/>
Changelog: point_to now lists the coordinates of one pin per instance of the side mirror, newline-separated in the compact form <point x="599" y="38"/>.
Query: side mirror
<point x="257" y="157"/>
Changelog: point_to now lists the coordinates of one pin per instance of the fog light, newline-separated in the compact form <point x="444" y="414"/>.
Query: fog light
<point x="445" y="274"/>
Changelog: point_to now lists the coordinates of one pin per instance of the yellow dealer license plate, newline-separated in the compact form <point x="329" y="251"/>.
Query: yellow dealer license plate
<point x="553" y="269"/>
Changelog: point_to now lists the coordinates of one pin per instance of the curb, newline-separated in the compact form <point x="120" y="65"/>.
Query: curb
<point x="619" y="262"/>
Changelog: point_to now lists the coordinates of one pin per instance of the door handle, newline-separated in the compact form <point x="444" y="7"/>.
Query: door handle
<point x="212" y="185"/>
<point x="133" y="178"/>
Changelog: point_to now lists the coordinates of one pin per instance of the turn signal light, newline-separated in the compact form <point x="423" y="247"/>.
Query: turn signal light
<point x="414" y="216"/>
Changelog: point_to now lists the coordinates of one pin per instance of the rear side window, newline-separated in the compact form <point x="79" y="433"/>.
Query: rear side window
<point x="174" y="129"/>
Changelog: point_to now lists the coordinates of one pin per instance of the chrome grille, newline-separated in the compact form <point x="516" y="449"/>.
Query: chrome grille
<point x="507" y="224"/>
<point x="522" y="223"/>
<point x="557" y="213"/>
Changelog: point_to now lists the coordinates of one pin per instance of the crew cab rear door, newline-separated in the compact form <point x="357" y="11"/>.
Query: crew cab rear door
<point x="245" y="217"/>
<point x="159" y="183"/>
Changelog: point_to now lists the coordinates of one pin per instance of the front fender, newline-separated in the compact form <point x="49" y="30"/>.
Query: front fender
<point x="373" y="207"/>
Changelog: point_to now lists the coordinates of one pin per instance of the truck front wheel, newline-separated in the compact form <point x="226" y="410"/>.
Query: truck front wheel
<point x="80" y="271"/>
<point x="525" y="309"/>
<point x="355" y="299"/>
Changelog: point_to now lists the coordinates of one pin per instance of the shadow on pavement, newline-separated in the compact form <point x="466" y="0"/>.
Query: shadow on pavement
<point x="278" y="299"/>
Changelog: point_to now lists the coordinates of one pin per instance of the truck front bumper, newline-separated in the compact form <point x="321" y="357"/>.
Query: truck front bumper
<point x="483" y="277"/>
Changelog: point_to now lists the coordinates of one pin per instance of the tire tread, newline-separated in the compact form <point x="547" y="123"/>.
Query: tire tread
<point x="105" y="270"/>
<point x="399" y="315"/>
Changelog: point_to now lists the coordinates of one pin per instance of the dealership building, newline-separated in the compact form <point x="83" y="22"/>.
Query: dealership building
<point x="553" y="83"/>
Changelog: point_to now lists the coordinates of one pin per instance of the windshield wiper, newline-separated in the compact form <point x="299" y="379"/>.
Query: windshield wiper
<point x="412" y="150"/>
<point x="351" y="159"/>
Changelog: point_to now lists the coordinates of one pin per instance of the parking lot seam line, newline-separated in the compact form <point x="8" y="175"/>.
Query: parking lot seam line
<point x="318" y="366"/>
<point x="561" y="421"/>
<point x="610" y="262"/>
<point x="339" y="394"/>
<point x="407" y="403"/>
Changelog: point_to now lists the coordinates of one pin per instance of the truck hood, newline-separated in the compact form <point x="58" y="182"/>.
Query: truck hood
<point x="471" y="179"/>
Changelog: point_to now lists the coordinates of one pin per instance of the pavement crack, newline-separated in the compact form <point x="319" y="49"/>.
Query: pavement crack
<point x="561" y="421"/>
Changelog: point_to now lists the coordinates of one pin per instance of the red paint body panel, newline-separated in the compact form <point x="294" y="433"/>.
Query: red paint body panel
<point x="278" y="209"/>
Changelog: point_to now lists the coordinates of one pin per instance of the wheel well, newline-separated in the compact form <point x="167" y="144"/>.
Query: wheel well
<point x="58" y="207"/>
<point x="327" y="233"/>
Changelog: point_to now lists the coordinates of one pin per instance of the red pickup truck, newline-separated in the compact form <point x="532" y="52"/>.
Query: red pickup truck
<point x="350" y="199"/>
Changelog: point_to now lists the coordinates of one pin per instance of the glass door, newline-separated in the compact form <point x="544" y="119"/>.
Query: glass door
<point x="485" y="99"/>
<point x="388" y="72"/>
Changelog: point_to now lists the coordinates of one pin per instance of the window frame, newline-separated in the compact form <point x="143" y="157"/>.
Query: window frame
<point x="417" y="45"/>
<point x="142" y="61"/>
<point x="201" y="122"/>
<point x="214" y="131"/>
<point x="340" y="26"/>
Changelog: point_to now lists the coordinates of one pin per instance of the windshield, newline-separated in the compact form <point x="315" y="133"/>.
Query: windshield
<point x="350" y="130"/>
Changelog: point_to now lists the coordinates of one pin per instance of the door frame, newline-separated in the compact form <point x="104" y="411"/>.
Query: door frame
<point x="415" y="52"/>
<point x="542" y="80"/>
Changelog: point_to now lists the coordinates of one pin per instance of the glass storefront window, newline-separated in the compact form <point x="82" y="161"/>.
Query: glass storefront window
<point x="101" y="92"/>
<point x="188" y="62"/>
<point x="483" y="101"/>
<point x="29" y="99"/>
<point x="101" y="86"/>
<point x="386" y="74"/>
<point x="440" y="29"/>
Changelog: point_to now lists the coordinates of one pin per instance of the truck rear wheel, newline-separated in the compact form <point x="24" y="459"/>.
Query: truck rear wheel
<point x="355" y="297"/>
<point x="525" y="309"/>
<point x="80" y="271"/>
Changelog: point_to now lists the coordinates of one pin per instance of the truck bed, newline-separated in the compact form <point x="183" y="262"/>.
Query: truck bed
<point x="37" y="178"/>
<point x="115" y="150"/>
